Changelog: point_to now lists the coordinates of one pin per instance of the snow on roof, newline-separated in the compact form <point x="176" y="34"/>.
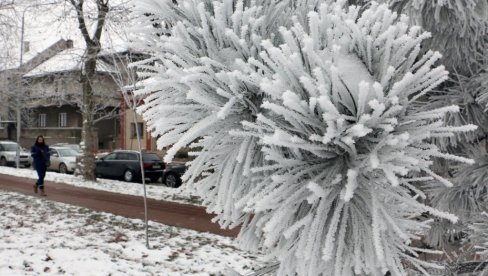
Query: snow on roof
<point x="67" y="61"/>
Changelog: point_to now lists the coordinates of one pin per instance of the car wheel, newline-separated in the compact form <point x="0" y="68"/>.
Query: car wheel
<point x="63" y="168"/>
<point x="128" y="176"/>
<point x="3" y="161"/>
<point x="172" y="180"/>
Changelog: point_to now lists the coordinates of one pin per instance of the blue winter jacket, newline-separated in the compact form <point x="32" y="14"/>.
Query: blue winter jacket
<point x="40" y="154"/>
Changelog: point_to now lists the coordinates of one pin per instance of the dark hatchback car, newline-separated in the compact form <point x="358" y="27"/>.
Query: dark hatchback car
<point x="125" y="165"/>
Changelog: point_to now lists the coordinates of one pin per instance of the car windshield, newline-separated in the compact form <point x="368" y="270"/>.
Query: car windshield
<point x="150" y="157"/>
<point x="67" y="152"/>
<point x="9" y="147"/>
<point x="71" y="146"/>
<point x="75" y="147"/>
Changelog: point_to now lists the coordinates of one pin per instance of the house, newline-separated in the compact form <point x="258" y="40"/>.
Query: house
<point x="50" y="93"/>
<point x="11" y="88"/>
<point x="51" y="97"/>
<point x="55" y="94"/>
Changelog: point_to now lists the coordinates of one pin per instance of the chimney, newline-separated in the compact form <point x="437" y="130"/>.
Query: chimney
<point x="69" y="43"/>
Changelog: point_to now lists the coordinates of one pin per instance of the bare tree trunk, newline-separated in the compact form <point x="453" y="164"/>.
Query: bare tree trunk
<point x="93" y="47"/>
<point x="88" y="131"/>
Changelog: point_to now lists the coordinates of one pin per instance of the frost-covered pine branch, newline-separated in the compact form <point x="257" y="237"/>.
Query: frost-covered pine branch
<point x="480" y="235"/>
<point x="345" y="144"/>
<point x="309" y="136"/>
<point x="459" y="29"/>
<point x="467" y="199"/>
<point x="468" y="94"/>
<point x="195" y="92"/>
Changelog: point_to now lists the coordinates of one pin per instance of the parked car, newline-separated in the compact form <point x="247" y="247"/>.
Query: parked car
<point x="101" y="154"/>
<point x="75" y="147"/>
<point x="172" y="176"/>
<point x="8" y="152"/>
<point x="63" y="159"/>
<point x="124" y="164"/>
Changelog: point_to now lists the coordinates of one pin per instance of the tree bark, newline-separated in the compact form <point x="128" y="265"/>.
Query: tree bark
<point x="93" y="47"/>
<point x="88" y="131"/>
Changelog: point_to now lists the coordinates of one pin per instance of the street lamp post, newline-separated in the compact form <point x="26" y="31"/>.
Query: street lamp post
<point x="17" y="155"/>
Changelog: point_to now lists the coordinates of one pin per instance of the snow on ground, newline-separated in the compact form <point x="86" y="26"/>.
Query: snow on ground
<point x="43" y="237"/>
<point x="155" y="191"/>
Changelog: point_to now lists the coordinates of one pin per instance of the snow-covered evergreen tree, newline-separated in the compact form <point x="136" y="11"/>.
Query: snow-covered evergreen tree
<point x="480" y="235"/>
<point x="198" y="94"/>
<point x="310" y="136"/>
<point x="459" y="30"/>
<point x="467" y="199"/>
<point x="345" y="145"/>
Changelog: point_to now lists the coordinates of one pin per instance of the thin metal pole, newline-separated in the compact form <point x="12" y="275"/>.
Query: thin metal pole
<point x="21" y="90"/>
<point x="17" y="109"/>
<point x="142" y="175"/>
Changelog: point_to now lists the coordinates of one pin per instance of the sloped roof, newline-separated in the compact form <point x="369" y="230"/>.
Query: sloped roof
<point x="68" y="60"/>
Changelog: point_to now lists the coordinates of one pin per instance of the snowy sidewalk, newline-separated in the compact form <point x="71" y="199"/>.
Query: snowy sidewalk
<point x="169" y="213"/>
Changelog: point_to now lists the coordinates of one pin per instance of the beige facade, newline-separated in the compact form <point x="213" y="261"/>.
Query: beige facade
<point x="129" y="138"/>
<point x="54" y="102"/>
<point x="128" y="131"/>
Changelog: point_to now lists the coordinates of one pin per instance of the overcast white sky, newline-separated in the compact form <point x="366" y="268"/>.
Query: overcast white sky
<point x="46" y="24"/>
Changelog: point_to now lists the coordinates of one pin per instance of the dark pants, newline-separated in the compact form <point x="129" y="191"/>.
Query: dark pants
<point x="41" y="173"/>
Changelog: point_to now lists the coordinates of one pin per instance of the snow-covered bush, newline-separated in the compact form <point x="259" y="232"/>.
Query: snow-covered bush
<point x="467" y="199"/>
<point x="480" y="235"/>
<point x="460" y="29"/>
<point x="344" y="144"/>
<point x="196" y="93"/>
<point x="309" y="136"/>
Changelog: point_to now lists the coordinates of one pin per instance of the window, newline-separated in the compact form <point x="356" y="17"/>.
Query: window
<point x="132" y="156"/>
<point x="121" y="156"/>
<point x="133" y="133"/>
<point x="111" y="156"/>
<point x="127" y="156"/>
<point x="150" y="157"/>
<point x="41" y="120"/>
<point x="63" y="119"/>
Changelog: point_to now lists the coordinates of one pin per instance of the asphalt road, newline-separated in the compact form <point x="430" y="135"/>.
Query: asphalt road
<point x="169" y="213"/>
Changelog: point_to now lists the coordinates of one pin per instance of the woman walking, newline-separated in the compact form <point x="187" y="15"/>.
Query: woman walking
<point x="40" y="154"/>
